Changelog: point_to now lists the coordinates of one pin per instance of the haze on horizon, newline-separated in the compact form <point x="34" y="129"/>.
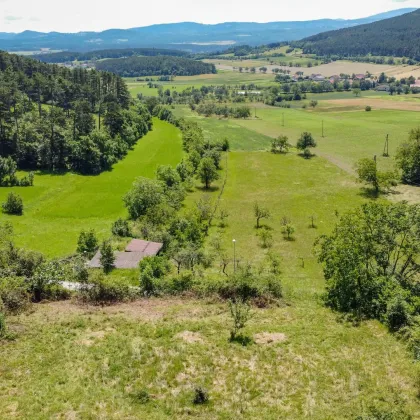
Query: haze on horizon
<point x="85" y="15"/>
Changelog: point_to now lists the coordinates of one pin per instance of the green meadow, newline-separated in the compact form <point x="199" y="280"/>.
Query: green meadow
<point x="144" y="359"/>
<point x="58" y="207"/>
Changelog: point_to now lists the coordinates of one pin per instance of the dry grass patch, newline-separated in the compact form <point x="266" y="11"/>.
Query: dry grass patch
<point x="269" y="338"/>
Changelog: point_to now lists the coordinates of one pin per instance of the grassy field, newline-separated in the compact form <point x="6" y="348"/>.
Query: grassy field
<point x="350" y="132"/>
<point x="73" y="361"/>
<point x="58" y="207"/>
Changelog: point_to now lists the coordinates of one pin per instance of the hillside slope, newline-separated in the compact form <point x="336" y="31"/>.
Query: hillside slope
<point x="398" y="36"/>
<point x="188" y="36"/>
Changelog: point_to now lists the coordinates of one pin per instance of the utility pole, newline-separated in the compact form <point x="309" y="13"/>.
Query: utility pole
<point x="255" y="112"/>
<point x="234" y="256"/>
<point x="322" y="128"/>
<point x="386" y="147"/>
<point x="283" y="119"/>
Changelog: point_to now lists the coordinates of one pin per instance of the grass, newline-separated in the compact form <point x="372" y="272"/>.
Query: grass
<point x="350" y="133"/>
<point x="58" y="207"/>
<point x="72" y="361"/>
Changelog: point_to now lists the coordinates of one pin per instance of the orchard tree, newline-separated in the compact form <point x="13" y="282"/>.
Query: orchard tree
<point x="306" y="142"/>
<point x="280" y="144"/>
<point x="367" y="171"/>
<point x="207" y="172"/>
<point x="260" y="213"/>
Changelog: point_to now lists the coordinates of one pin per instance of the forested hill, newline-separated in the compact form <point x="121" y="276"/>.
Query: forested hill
<point x="55" y="118"/>
<point x="65" y="56"/>
<point x="155" y="66"/>
<point x="398" y="36"/>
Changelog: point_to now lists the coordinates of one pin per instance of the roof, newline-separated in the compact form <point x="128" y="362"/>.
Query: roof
<point x="135" y="251"/>
<point x="146" y="247"/>
<point x="122" y="260"/>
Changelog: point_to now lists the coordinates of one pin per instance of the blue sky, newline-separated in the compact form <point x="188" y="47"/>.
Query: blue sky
<point x="94" y="15"/>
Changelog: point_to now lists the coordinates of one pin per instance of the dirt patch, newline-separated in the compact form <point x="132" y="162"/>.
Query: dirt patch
<point x="90" y="338"/>
<point x="361" y="103"/>
<point x="269" y="338"/>
<point x="190" y="337"/>
<point x="405" y="193"/>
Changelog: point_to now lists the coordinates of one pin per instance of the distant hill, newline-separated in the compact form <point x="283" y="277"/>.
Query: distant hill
<point x="155" y="66"/>
<point x="397" y="36"/>
<point x="65" y="56"/>
<point x="189" y="36"/>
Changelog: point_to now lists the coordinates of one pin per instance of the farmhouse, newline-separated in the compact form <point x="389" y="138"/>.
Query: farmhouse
<point x="416" y="84"/>
<point x="360" y="76"/>
<point x="134" y="252"/>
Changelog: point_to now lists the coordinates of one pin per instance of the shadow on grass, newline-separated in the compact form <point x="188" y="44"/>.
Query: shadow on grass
<point x="289" y="238"/>
<point x="241" y="339"/>
<point x="369" y="193"/>
<point x="213" y="188"/>
<point x="307" y="156"/>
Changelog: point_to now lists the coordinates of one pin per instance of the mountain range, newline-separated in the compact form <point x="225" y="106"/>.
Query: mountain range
<point x="189" y="36"/>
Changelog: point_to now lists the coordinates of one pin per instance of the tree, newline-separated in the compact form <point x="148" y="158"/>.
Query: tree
<point x="305" y="142"/>
<point x="207" y="172"/>
<point x="356" y="92"/>
<point x="145" y="194"/>
<point x="260" y="213"/>
<point x="367" y="171"/>
<point x="107" y="257"/>
<point x="408" y="158"/>
<point x="371" y="258"/>
<point x="13" y="204"/>
<point x="87" y="243"/>
<point x="121" y="228"/>
<point x="280" y="144"/>
<point x="168" y="175"/>
<point x="241" y="313"/>
<point x="313" y="103"/>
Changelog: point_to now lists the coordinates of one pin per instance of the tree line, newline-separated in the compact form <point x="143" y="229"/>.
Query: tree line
<point x="58" y="119"/>
<point x="155" y="66"/>
<point x="68" y="56"/>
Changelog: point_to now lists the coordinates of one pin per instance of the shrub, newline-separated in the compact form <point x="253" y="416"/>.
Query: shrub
<point x="14" y="296"/>
<point x="241" y="313"/>
<point x="13" y="204"/>
<point x="201" y="396"/>
<point x="266" y="238"/>
<point x="45" y="283"/>
<point x="104" y="290"/>
<point x="87" y="243"/>
<point x="368" y="108"/>
<point x="182" y="283"/>
<point x="3" y="327"/>
<point x="398" y="314"/>
<point x="107" y="257"/>
<point x="121" y="228"/>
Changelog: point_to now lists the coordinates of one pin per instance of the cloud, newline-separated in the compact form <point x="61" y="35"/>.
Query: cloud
<point x="34" y="19"/>
<point x="399" y="1"/>
<point x="12" y="18"/>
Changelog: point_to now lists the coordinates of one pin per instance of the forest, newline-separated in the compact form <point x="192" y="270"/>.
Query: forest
<point x="66" y="56"/>
<point x="155" y="66"/>
<point x="57" y="119"/>
<point x="397" y="37"/>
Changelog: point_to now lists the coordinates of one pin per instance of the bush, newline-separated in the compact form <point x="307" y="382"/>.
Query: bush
<point x="87" y="243"/>
<point x="368" y="108"/>
<point x="201" y="396"/>
<point x="107" y="257"/>
<point x="14" y="296"/>
<point x="121" y="228"/>
<point x="398" y="314"/>
<point x="103" y="290"/>
<point x="241" y="313"/>
<point x="3" y="327"/>
<point x="182" y="282"/>
<point x="13" y="204"/>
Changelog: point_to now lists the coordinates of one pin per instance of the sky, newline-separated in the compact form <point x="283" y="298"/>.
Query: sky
<point x="94" y="15"/>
